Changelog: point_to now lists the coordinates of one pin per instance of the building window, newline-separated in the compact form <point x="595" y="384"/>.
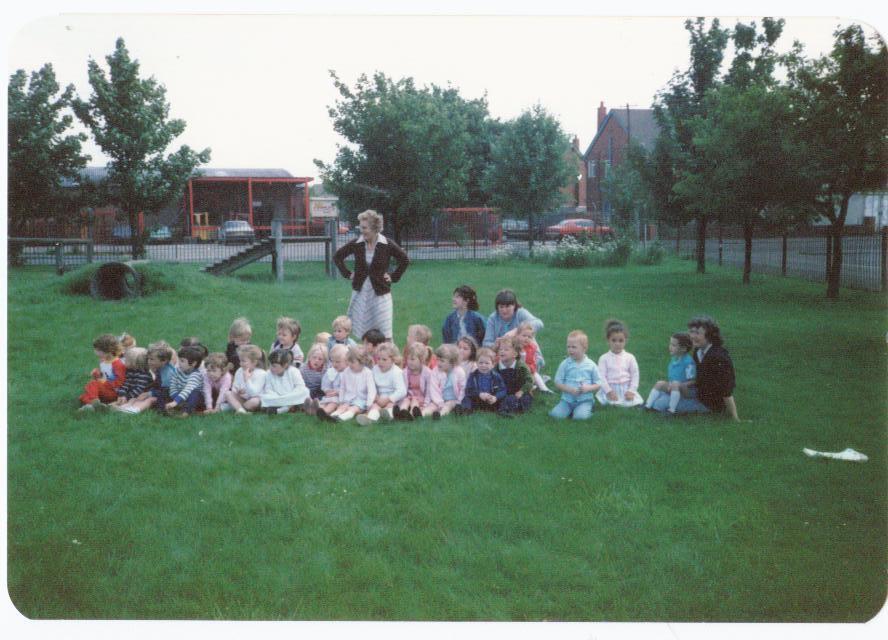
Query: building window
<point x="606" y="172"/>
<point x="590" y="168"/>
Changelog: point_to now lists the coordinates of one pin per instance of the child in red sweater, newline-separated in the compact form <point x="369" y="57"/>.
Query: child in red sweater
<point x="108" y="376"/>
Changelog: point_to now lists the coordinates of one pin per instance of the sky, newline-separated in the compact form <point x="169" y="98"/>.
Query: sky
<point x="255" y="88"/>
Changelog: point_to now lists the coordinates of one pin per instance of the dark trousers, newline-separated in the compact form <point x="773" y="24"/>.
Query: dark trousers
<point x="511" y="404"/>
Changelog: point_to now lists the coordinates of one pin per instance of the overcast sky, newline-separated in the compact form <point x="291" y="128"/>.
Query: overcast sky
<point x="255" y="88"/>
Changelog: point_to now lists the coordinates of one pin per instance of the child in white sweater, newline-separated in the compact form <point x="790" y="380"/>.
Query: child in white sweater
<point x="284" y="389"/>
<point x="357" y="389"/>
<point x="389" y="381"/>
<point x="249" y="381"/>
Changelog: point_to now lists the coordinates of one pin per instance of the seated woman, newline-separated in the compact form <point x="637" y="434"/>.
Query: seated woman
<point x="508" y="315"/>
<point x="712" y="392"/>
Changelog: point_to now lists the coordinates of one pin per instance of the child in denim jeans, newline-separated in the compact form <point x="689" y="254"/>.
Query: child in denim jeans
<point x="577" y="379"/>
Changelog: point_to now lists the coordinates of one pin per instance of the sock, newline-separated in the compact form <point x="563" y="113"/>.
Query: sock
<point x="674" y="397"/>
<point x="129" y="409"/>
<point x="652" y="398"/>
<point x="373" y="415"/>
<point x="388" y="413"/>
<point x="346" y="415"/>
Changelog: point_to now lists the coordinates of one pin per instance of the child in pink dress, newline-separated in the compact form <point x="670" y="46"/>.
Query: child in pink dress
<point x="618" y="370"/>
<point x="418" y="380"/>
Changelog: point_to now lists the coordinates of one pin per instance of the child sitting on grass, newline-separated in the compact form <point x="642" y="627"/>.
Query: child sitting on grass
<point x="357" y="390"/>
<point x="287" y="337"/>
<point x="449" y="380"/>
<point x="284" y="389"/>
<point x="108" y="377"/>
<point x="342" y="326"/>
<point x="138" y="375"/>
<point x="371" y="339"/>
<point x="186" y="387"/>
<point x="159" y="357"/>
<point x="517" y="377"/>
<point x="418" y="382"/>
<point x="577" y="378"/>
<point x="419" y="333"/>
<point x="468" y="353"/>
<point x="329" y="402"/>
<point x="465" y="319"/>
<point x="485" y="388"/>
<point x="618" y="369"/>
<point x="530" y="354"/>
<point x="681" y="369"/>
<point x="239" y="334"/>
<point x="249" y="380"/>
<point x="390" y="388"/>
<point x="313" y="371"/>
<point x="216" y="381"/>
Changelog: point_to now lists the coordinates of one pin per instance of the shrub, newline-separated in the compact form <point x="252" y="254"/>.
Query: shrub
<point x="501" y="253"/>
<point x="613" y="253"/>
<point x="653" y="253"/>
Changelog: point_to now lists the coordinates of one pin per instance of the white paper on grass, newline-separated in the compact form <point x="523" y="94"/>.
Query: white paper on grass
<point x="847" y="454"/>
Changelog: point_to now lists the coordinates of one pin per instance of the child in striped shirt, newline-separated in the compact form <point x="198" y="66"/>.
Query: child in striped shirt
<point x="313" y="371"/>
<point x="186" y="387"/>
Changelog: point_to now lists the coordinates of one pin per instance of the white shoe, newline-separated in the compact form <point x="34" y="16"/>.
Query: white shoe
<point x="131" y="410"/>
<point x="364" y="420"/>
<point x="387" y="414"/>
<point x="87" y="407"/>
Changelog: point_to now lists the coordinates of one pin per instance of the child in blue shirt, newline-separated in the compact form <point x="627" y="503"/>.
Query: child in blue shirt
<point x="465" y="319"/>
<point x="485" y="388"/>
<point x="577" y="379"/>
<point x="682" y="369"/>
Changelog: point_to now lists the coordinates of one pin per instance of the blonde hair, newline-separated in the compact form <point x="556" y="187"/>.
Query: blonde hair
<point x="322" y="337"/>
<point x="390" y="349"/>
<point x="342" y="322"/>
<point x="161" y="349"/>
<point x="216" y="360"/>
<point x="417" y="350"/>
<point x="374" y="220"/>
<point x="253" y="353"/>
<point x="448" y="353"/>
<point x="126" y="341"/>
<point x="486" y="352"/>
<point x="240" y="328"/>
<point x="357" y="353"/>
<point x="290" y="325"/>
<point x="524" y="326"/>
<point x="579" y="336"/>
<point x="420" y="332"/>
<point x="338" y="350"/>
<point x="317" y="347"/>
<point x="136" y="358"/>
<point x="512" y="341"/>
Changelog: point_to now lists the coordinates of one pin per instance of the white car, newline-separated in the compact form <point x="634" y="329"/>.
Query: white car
<point x="236" y="231"/>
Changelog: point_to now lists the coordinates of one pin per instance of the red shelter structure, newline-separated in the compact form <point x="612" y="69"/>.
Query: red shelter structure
<point x="254" y="195"/>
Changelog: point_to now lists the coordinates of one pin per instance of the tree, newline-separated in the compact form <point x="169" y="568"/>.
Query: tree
<point x="840" y="118"/>
<point x="41" y="155"/>
<point x="675" y="109"/>
<point x="129" y="119"/>
<point x="410" y="149"/>
<point x="529" y="165"/>
<point x="628" y="191"/>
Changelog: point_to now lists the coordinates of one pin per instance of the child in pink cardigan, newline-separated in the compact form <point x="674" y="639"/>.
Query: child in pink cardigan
<point x="216" y="381"/>
<point x="618" y="369"/>
<point x="418" y="380"/>
<point x="448" y="383"/>
<point x="357" y="389"/>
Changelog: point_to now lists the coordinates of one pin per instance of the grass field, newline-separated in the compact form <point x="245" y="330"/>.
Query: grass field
<point x="626" y="517"/>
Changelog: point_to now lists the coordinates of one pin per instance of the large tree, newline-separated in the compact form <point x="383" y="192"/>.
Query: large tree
<point x="529" y="165"/>
<point x="410" y="149"/>
<point x="129" y="119"/>
<point x="629" y="192"/>
<point x="42" y="154"/>
<point x="840" y="118"/>
<point x="676" y="108"/>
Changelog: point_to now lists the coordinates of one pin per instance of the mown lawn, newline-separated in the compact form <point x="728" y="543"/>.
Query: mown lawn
<point x="626" y="517"/>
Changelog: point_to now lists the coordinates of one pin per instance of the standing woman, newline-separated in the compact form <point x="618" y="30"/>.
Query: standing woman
<point x="371" y="299"/>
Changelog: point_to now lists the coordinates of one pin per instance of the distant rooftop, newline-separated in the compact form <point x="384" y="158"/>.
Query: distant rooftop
<point x="97" y="174"/>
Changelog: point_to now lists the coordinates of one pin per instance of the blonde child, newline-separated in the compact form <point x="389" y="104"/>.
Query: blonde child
<point x="216" y="381"/>
<point x="485" y="388"/>
<point x="449" y="382"/>
<point x="357" y="389"/>
<point x="126" y="341"/>
<point x="313" y="372"/>
<point x="618" y="369"/>
<point x="138" y="378"/>
<point x="330" y="382"/>
<point x="419" y="333"/>
<point x="389" y="379"/>
<point x="682" y="372"/>
<point x="108" y="377"/>
<point x="287" y="337"/>
<point x="530" y="354"/>
<point x="284" y="388"/>
<point x="239" y="334"/>
<point x="322" y="337"/>
<point x="577" y="378"/>
<point x="342" y="326"/>
<point x="516" y="376"/>
<point x="159" y="357"/>
<point x="249" y="380"/>
<point x="468" y="352"/>
<point x="417" y="381"/>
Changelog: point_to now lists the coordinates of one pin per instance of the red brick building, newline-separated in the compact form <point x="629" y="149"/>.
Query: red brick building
<point x="608" y="149"/>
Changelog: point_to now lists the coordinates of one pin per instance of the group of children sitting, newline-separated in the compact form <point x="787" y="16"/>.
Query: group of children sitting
<point x="339" y="380"/>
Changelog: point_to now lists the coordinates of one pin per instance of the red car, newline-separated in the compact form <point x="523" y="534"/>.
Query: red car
<point x="578" y="228"/>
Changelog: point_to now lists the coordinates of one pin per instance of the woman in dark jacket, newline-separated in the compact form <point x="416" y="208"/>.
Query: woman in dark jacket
<point x="371" y="300"/>
<point x="713" y="389"/>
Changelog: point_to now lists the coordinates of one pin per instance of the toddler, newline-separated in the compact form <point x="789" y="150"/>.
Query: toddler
<point x="313" y="372"/>
<point x="249" y="381"/>
<point x="329" y="402"/>
<point x="342" y="326"/>
<point x="216" y="381"/>
<point x="126" y="341"/>
<point x="371" y="339"/>
<point x="530" y="353"/>
<point x="138" y="378"/>
<point x="465" y="319"/>
<point x="417" y="380"/>
<point x="322" y="337"/>
<point x="682" y="369"/>
<point x="186" y="386"/>
<point x="390" y="388"/>
<point x="284" y="389"/>
<point x="287" y="337"/>
<point x="357" y="390"/>
<point x="468" y="352"/>
<point x="618" y="369"/>
<point x="108" y="377"/>
<point x="577" y="378"/>
<point x="421" y="334"/>
<point x="449" y="380"/>
<point x="159" y="358"/>
<point x="239" y="334"/>
<point x="516" y="376"/>
<point x="485" y="388"/>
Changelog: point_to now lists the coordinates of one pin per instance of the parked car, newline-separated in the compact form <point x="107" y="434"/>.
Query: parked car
<point x="578" y="228"/>
<point x="515" y="229"/>
<point x="121" y="231"/>
<point x="236" y="231"/>
<point x="162" y="232"/>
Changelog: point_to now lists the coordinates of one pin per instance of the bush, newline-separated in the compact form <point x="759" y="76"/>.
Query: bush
<point x="501" y="253"/>
<point x="613" y="253"/>
<point x="154" y="280"/>
<point x="653" y="253"/>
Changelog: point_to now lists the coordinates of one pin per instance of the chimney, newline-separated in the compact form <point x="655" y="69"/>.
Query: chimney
<point x="575" y="143"/>
<point x="602" y="114"/>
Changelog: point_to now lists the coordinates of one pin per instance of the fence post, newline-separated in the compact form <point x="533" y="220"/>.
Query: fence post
<point x="884" y="258"/>
<point x="277" y="260"/>
<point x="721" y="242"/>
<point x="90" y="226"/>
<point x="59" y="260"/>
<point x="783" y="257"/>
<point x="332" y="231"/>
<point x="435" y="229"/>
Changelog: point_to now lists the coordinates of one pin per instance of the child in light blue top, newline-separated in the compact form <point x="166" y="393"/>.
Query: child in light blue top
<point x="682" y="369"/>
<point x="577" y="379"/>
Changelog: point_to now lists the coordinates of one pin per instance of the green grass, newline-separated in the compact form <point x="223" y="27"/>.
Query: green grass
<point x="625" y="517"/>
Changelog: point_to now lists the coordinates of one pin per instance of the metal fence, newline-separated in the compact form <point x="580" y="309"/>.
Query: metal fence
<point x="864" y="255"/>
